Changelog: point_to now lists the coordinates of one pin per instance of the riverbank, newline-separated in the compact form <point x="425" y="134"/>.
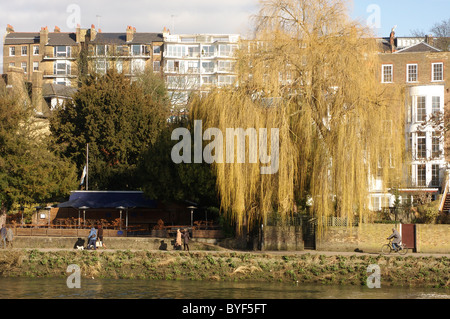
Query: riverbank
<point x="413" y="271"/>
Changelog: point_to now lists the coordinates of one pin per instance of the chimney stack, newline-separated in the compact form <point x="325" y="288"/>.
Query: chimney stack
<point x="92" y="32"/>
<point x="392" y="40"/>
<point x="78" y="34"/>
<point x="130" y="33"/>
<point x="9" y="29"/>
<point x="57" y="29"/>
<point x="429" y="39"/>
<point x="36" y="92"/>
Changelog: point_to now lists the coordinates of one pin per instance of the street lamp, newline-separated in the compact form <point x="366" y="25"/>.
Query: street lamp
<point x="192" y="214"/>
<point x="120" y="208"/>
<point x="22" y="209"/>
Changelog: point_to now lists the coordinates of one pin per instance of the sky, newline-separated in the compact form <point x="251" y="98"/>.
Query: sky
<point x="200" y="16"/>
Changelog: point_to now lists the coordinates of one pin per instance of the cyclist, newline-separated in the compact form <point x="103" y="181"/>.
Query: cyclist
<point x="397" y="239"/>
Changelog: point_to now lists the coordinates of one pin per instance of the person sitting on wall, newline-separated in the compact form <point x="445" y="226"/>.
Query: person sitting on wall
<point x="92" y="238"/>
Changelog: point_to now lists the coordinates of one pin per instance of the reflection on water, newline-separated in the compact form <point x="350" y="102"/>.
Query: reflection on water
<point x="56" y="288"/>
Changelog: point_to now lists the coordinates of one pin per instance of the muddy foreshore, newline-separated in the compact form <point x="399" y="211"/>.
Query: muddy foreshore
<point x="228" y="266"/>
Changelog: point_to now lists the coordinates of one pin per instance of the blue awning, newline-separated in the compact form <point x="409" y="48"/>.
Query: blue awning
<point x="108" y="199"/>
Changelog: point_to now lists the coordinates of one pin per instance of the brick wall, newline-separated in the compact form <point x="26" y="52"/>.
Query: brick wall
<point x="366" y="237"/>
<point x="433" y="238"/>
<point x="370" y="238"/>
<point x="283" y="238"/>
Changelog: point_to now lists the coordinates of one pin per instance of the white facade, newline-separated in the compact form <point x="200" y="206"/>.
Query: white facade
<point x="425" y="141"/>
<point x="424" y="145"/>
<point x="198" y="62"/>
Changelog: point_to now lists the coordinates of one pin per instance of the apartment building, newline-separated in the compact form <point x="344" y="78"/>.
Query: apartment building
<point x="21" y="50"/>
<point x="422" y="70"/>
<point x="52" y="53"/>
<point x="198" y="62"/>
<point x="129" y="52"/>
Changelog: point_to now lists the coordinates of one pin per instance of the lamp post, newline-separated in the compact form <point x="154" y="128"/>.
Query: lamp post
<point x="48" y="209"/>
<point x="22" y="209"/>
<point x="120" y="208"/>
<point x="83" y="208"/>
<point x="192" y="214"/>
<point x="38" y="208"/>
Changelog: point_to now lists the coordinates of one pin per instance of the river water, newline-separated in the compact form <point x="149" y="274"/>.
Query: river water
<point x="56" y="288"/>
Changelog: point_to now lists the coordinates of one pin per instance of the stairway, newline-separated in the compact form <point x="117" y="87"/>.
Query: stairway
<point x="446" y="206"/>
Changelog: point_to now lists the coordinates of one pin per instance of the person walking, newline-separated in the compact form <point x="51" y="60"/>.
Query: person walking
<point x="3" y="233"/>
<point x="186" y="239"/>
<point x="178" y="240"/>
<point x="100" y="236"/>
<point x="9" y="237"/>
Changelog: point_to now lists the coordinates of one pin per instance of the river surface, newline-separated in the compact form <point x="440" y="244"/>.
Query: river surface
<point x="56" y="288"/>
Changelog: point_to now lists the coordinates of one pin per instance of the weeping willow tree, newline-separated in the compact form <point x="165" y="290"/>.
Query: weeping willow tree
<point x="311" y="73"/>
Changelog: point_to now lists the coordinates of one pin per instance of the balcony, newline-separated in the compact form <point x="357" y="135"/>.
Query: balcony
<point x="59" y="74"/>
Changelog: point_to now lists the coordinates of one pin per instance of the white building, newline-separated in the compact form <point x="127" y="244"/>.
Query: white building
<point x="197" y="62"/>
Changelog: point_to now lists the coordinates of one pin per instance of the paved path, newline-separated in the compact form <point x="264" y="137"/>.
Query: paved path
<point x="282" y="253"/>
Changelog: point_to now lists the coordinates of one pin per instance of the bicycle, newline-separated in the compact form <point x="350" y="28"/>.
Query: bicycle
<point x="386" y="249"/>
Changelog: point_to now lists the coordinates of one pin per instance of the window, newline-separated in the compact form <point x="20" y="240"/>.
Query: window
<point x="435" y="145"/>
<point x="208" y="67"/>
<point x="436" y="104"/>
<point x="437" y="71"/>
<point x="387" y="73"/>
<point x="434" y="175"/>
<point x="208" y="50"/>
<point x="35" y="50"/>
<point x="24" y="50"/>
<point x="119" y="66"/>
<point x="12" y="64"/>
<point x="62" y="51"/>
<point x="61" y="68"/>
<point x="208" y="80"/>
<point x="411" y="72"/>
<point x="102" y="49"/>
<point x="157" y="49"/>
<point x="176" y="50"/>
<point x="24" y="66"/>
<point x="421" y="175"/>
<point x="226" y="79"/>
<point x="62" y="81"/>
<point x="421" y="113"/>
<point x="12" y="51"/>
<point x="35" y="66"/>
<point x="226" y="66"/>
<point x="137" y="65"/>
<point x="101" y="66"/>
<point x="421" y="145"/>
<point x="139" y="49"/>
<point x="156" y="66"/>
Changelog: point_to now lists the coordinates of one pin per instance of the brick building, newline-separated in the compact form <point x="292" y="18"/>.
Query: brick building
<point x="129" y="52"/>
<point x="422" y="70"/>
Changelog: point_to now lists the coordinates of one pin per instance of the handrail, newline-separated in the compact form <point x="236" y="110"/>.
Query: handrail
<point x="444" y="194"/>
